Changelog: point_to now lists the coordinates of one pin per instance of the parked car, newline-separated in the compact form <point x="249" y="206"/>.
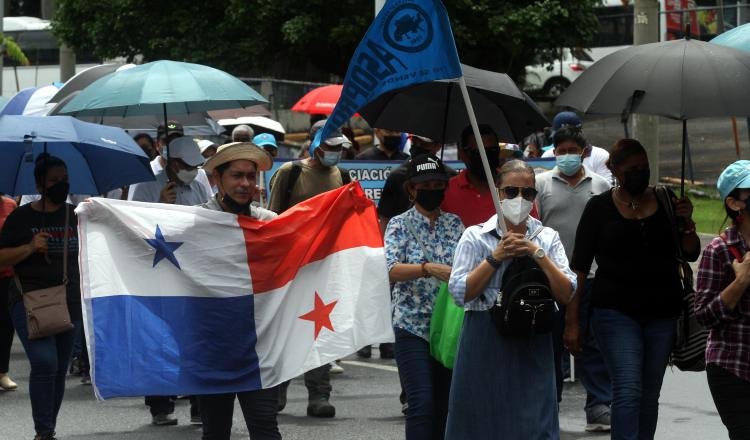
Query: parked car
<point x="551" y="79"/>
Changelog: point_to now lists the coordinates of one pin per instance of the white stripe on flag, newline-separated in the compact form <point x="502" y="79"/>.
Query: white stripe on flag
<point x="357" y="279"/>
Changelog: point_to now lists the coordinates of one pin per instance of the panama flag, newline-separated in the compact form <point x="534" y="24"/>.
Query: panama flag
<point x="185" y="300"/>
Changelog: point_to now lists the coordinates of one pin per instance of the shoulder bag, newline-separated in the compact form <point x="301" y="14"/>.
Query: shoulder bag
<point x="47" y="309"/>
<point x="689" y="350"/>
<point x="447" y="317"/>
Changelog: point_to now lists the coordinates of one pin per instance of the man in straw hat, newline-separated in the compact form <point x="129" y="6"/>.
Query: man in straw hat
<point x="234" y="168"/>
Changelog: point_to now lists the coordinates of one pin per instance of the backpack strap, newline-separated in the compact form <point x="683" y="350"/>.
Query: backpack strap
<point x="732" y="249"/>
<point x="293" y="176"/>
<point x="345" y="177"/>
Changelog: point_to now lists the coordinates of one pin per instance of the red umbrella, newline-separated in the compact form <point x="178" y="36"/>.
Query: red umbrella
<point x="320" y="101"/>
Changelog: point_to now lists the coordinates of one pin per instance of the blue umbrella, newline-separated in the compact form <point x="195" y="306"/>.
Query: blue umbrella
<point x="99" y="158"/>
<point x="31" y="101"/>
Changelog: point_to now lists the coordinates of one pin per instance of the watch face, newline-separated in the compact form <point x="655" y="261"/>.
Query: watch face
<point x="539" y="253"/>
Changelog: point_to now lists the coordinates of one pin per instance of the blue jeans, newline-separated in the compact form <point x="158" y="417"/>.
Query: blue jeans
<point x="427" y="385"/>
<point x="636" y="355"/>
<point x="590" y="363"/>
<point x="49" y="358"/>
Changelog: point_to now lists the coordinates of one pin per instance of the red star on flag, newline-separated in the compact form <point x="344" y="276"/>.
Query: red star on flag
<point x="320" y="315"/>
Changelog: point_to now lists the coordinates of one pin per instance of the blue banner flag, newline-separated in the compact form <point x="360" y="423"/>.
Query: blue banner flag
<point x="409" y="42"/>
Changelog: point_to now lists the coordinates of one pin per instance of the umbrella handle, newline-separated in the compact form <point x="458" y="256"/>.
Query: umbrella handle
<point x="483" y="155"/>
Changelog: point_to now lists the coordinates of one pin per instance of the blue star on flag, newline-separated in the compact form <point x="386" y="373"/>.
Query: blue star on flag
<point x="164" y="249"/>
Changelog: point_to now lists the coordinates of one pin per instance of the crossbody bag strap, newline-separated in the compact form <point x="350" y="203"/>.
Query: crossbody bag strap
<point x="732" y="249"/>
<point x="65" y="253"/>
<point x="413" y="232"/>
<point x="65" y="244"/>
<point x="662" y="197"/>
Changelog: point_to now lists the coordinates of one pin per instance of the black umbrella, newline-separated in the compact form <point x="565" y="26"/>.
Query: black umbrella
<point x="679" y="79"/>
<point x="436" y="109"/>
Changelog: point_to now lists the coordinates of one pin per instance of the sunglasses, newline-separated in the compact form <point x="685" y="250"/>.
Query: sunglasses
<point x="511" y="192"/>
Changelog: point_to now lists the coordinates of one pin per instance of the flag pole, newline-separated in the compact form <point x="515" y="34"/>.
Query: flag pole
<point x="482" y="154"/>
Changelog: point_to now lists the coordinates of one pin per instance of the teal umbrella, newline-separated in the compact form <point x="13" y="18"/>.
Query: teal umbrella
<point x="738" y="38"/>
<point x="162" y="87"/>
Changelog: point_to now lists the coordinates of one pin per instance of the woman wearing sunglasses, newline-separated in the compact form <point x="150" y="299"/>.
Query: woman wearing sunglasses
<point x="419" y="247"/>
<point x="637" y="293"/>
<point x="503" y="386"/>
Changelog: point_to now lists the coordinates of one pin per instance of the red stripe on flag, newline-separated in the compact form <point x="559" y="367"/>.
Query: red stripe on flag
<point x="336" y="220"/>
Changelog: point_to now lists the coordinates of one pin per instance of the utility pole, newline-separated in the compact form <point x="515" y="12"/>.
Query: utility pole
<point x="646" y="127"/>
<point x="67" y="55"/>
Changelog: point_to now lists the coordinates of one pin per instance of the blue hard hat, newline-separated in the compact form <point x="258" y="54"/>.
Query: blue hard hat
<point x="736" y="175"/>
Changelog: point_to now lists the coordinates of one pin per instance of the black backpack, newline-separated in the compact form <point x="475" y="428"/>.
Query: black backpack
<point x="525" y="306"/>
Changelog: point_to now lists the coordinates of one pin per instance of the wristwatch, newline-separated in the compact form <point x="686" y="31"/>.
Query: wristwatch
<point x="539" y="254"/>
<point x="493" y="262"/>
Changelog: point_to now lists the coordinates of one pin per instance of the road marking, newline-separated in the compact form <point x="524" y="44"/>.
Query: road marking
<point x="373" y="366"/>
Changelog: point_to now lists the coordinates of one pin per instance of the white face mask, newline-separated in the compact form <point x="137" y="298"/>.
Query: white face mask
<point x="187" y="176"/>
<point x="516" y="210"/>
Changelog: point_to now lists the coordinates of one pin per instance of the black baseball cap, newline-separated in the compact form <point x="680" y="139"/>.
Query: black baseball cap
<point x="426" y="167"/>
<point x="172" y="128"/>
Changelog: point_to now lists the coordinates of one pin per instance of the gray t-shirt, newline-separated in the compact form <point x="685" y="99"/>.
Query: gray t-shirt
<point x="560" y="206"/>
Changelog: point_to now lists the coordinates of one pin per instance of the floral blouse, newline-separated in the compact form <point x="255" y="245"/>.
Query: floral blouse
<point x="412" y="301"/>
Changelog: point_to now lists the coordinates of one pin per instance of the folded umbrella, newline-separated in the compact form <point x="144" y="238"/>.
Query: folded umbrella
<point x="99" y="158"/>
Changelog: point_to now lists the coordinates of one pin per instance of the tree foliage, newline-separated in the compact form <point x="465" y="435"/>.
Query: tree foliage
<point x="243" y="36"/>
<point x="12" y="50"/>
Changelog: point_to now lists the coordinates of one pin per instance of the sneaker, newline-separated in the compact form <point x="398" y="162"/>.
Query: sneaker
<point x="76" y="366"/>
<point x="404" y="408"/>
<point x="365" y="352"/>
<point x="386" y="351"/>
<point x="86" y="378"/>
<point x="600" y="423"/>
<point x="196" y="420"/>
<point x="45" y="437"/>
<point x="7" y="384"/>
<point x="336" y="368"/>
<point x="163" y="419"/>
<point x="320" y="407"/>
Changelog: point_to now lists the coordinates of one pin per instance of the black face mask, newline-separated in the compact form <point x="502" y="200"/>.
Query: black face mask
<point x="636" y="181"/>
<point x="391" y="143"/>
<point x="475" y="162"/>
<point x="430" y="199"/>
<point x="233" y="206"/>
<point x="58" y="192"/>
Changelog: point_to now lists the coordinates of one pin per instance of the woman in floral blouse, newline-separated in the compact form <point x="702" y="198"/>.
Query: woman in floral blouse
<point x="421" y="230"/>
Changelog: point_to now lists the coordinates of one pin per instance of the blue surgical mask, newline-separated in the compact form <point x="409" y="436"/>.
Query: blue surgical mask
<point x="568" y="164"/>
<point x="330" y="158"/>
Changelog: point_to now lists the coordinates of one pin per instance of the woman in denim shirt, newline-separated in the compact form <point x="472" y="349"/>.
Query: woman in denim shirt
<point x="417" y="280"/>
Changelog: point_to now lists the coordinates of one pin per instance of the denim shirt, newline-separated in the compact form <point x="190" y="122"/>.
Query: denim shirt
<point x="413" y="300"/>
<point x="478" y="242"/>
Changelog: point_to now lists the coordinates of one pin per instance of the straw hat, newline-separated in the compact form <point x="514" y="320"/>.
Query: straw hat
<point x="239" y="151"/>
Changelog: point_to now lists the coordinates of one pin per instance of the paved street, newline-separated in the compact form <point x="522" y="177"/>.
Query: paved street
<point x="366" y="399"/>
